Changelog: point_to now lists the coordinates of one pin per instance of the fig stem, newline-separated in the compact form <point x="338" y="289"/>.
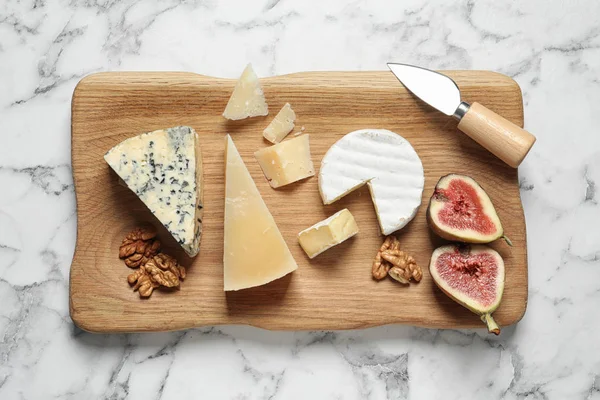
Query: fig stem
<point x="507" y="240"/>
<point x="491" y="324"/>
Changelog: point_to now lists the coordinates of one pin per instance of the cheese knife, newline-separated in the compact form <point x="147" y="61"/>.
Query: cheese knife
<point x="504" y="139"/>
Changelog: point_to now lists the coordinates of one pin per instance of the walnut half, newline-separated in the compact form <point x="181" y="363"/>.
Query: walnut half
<point x="381" y="267"/>
<point x="392" y="261"/>
<point x="164" y="278"/>
<point x="139" y="246"/>
<point x="143" y="282"/>
<point x="402" y="265"/>
<point x="398" y="275"/>
<point x="160" y="270"/>
<point x="168" y="263"/>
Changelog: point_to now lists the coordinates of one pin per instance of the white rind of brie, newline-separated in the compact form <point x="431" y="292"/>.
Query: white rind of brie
<point x="383" y="160"/>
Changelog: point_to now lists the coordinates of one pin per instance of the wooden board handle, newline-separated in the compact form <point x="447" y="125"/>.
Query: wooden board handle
<point x="504" y="139"/>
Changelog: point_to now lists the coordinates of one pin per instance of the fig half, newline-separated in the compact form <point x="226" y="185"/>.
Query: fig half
<point x="460" y="210"/>
<point x="473" y="276"/>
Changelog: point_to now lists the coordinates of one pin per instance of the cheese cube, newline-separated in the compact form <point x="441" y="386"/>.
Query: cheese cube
<point x="328" y="233"/>
<point x="247" y="99"/>
<point x="281" y="125"/>
<point x="286" y="162"/>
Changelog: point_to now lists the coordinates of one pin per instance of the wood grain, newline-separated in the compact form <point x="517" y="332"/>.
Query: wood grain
<point x="501" y="137"/>
<point x="333" y="291"/>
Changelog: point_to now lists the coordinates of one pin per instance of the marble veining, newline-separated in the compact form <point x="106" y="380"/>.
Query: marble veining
<point x="551" y="48"/>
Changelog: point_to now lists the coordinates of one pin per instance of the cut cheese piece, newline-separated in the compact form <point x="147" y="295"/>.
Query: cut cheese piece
<point x="281" y="125"/>
<point x="387" y="163"/>
<point x="254" y="250"/>
<point x="286" y="162"/>
<point x="164" y="169"/>
<point x="328" y="233"/>
<point x="247" y="99"/>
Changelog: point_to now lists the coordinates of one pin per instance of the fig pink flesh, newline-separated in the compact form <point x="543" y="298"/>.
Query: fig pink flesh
<point x="463" y="209"/>
<point x="472" y="275"/>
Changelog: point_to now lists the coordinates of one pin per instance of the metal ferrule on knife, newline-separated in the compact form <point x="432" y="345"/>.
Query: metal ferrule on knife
<point x="462" y="109"/>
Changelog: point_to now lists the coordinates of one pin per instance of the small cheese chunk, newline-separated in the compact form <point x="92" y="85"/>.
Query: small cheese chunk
<point x="164" y="169"/>
<point x="254" y="250"/>
<point x="281" y="125"/>
<point x="328" y="233"/>
<point x="286" y="162"/>
<point x="247" y="99"/>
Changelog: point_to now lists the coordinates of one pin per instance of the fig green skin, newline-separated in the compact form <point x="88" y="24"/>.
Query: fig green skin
<point x="444" y="234"/>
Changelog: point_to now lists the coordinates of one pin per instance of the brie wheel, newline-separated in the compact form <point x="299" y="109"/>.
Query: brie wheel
<point x="383" y="160"/>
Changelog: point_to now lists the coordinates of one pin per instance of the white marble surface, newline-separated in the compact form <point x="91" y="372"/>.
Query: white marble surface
<point x="551" y="47"/>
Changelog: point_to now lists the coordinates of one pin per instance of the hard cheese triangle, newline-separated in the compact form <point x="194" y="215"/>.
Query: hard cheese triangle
<point x="164" y="169"/>
<point x="247" y="99"/>
<point x="254" y="250"/>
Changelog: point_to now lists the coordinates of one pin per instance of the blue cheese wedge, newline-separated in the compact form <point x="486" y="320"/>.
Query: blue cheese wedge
<point x="164" y="169"/>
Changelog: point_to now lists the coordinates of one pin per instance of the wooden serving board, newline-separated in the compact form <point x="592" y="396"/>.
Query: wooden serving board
<point x="333" y="291"/>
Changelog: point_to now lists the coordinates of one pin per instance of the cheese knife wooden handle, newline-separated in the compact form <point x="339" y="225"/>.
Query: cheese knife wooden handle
<point x="504" y="139"/>
<point x="501" y="137"/>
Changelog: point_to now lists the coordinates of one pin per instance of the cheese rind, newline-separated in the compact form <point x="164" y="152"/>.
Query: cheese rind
<point x="247" y="99"/>
<point x="254" y="250"/>
<point x="383" y="160"/>
<point x="286" y="162"/>
<point x="328" y="233"/>
<point x="164" y="169"/>
<point x="282" y="124"/>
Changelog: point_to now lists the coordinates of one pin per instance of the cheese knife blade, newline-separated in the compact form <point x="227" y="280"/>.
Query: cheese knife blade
<point x="433" y="88"/>
<point x="506" y="140"/>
